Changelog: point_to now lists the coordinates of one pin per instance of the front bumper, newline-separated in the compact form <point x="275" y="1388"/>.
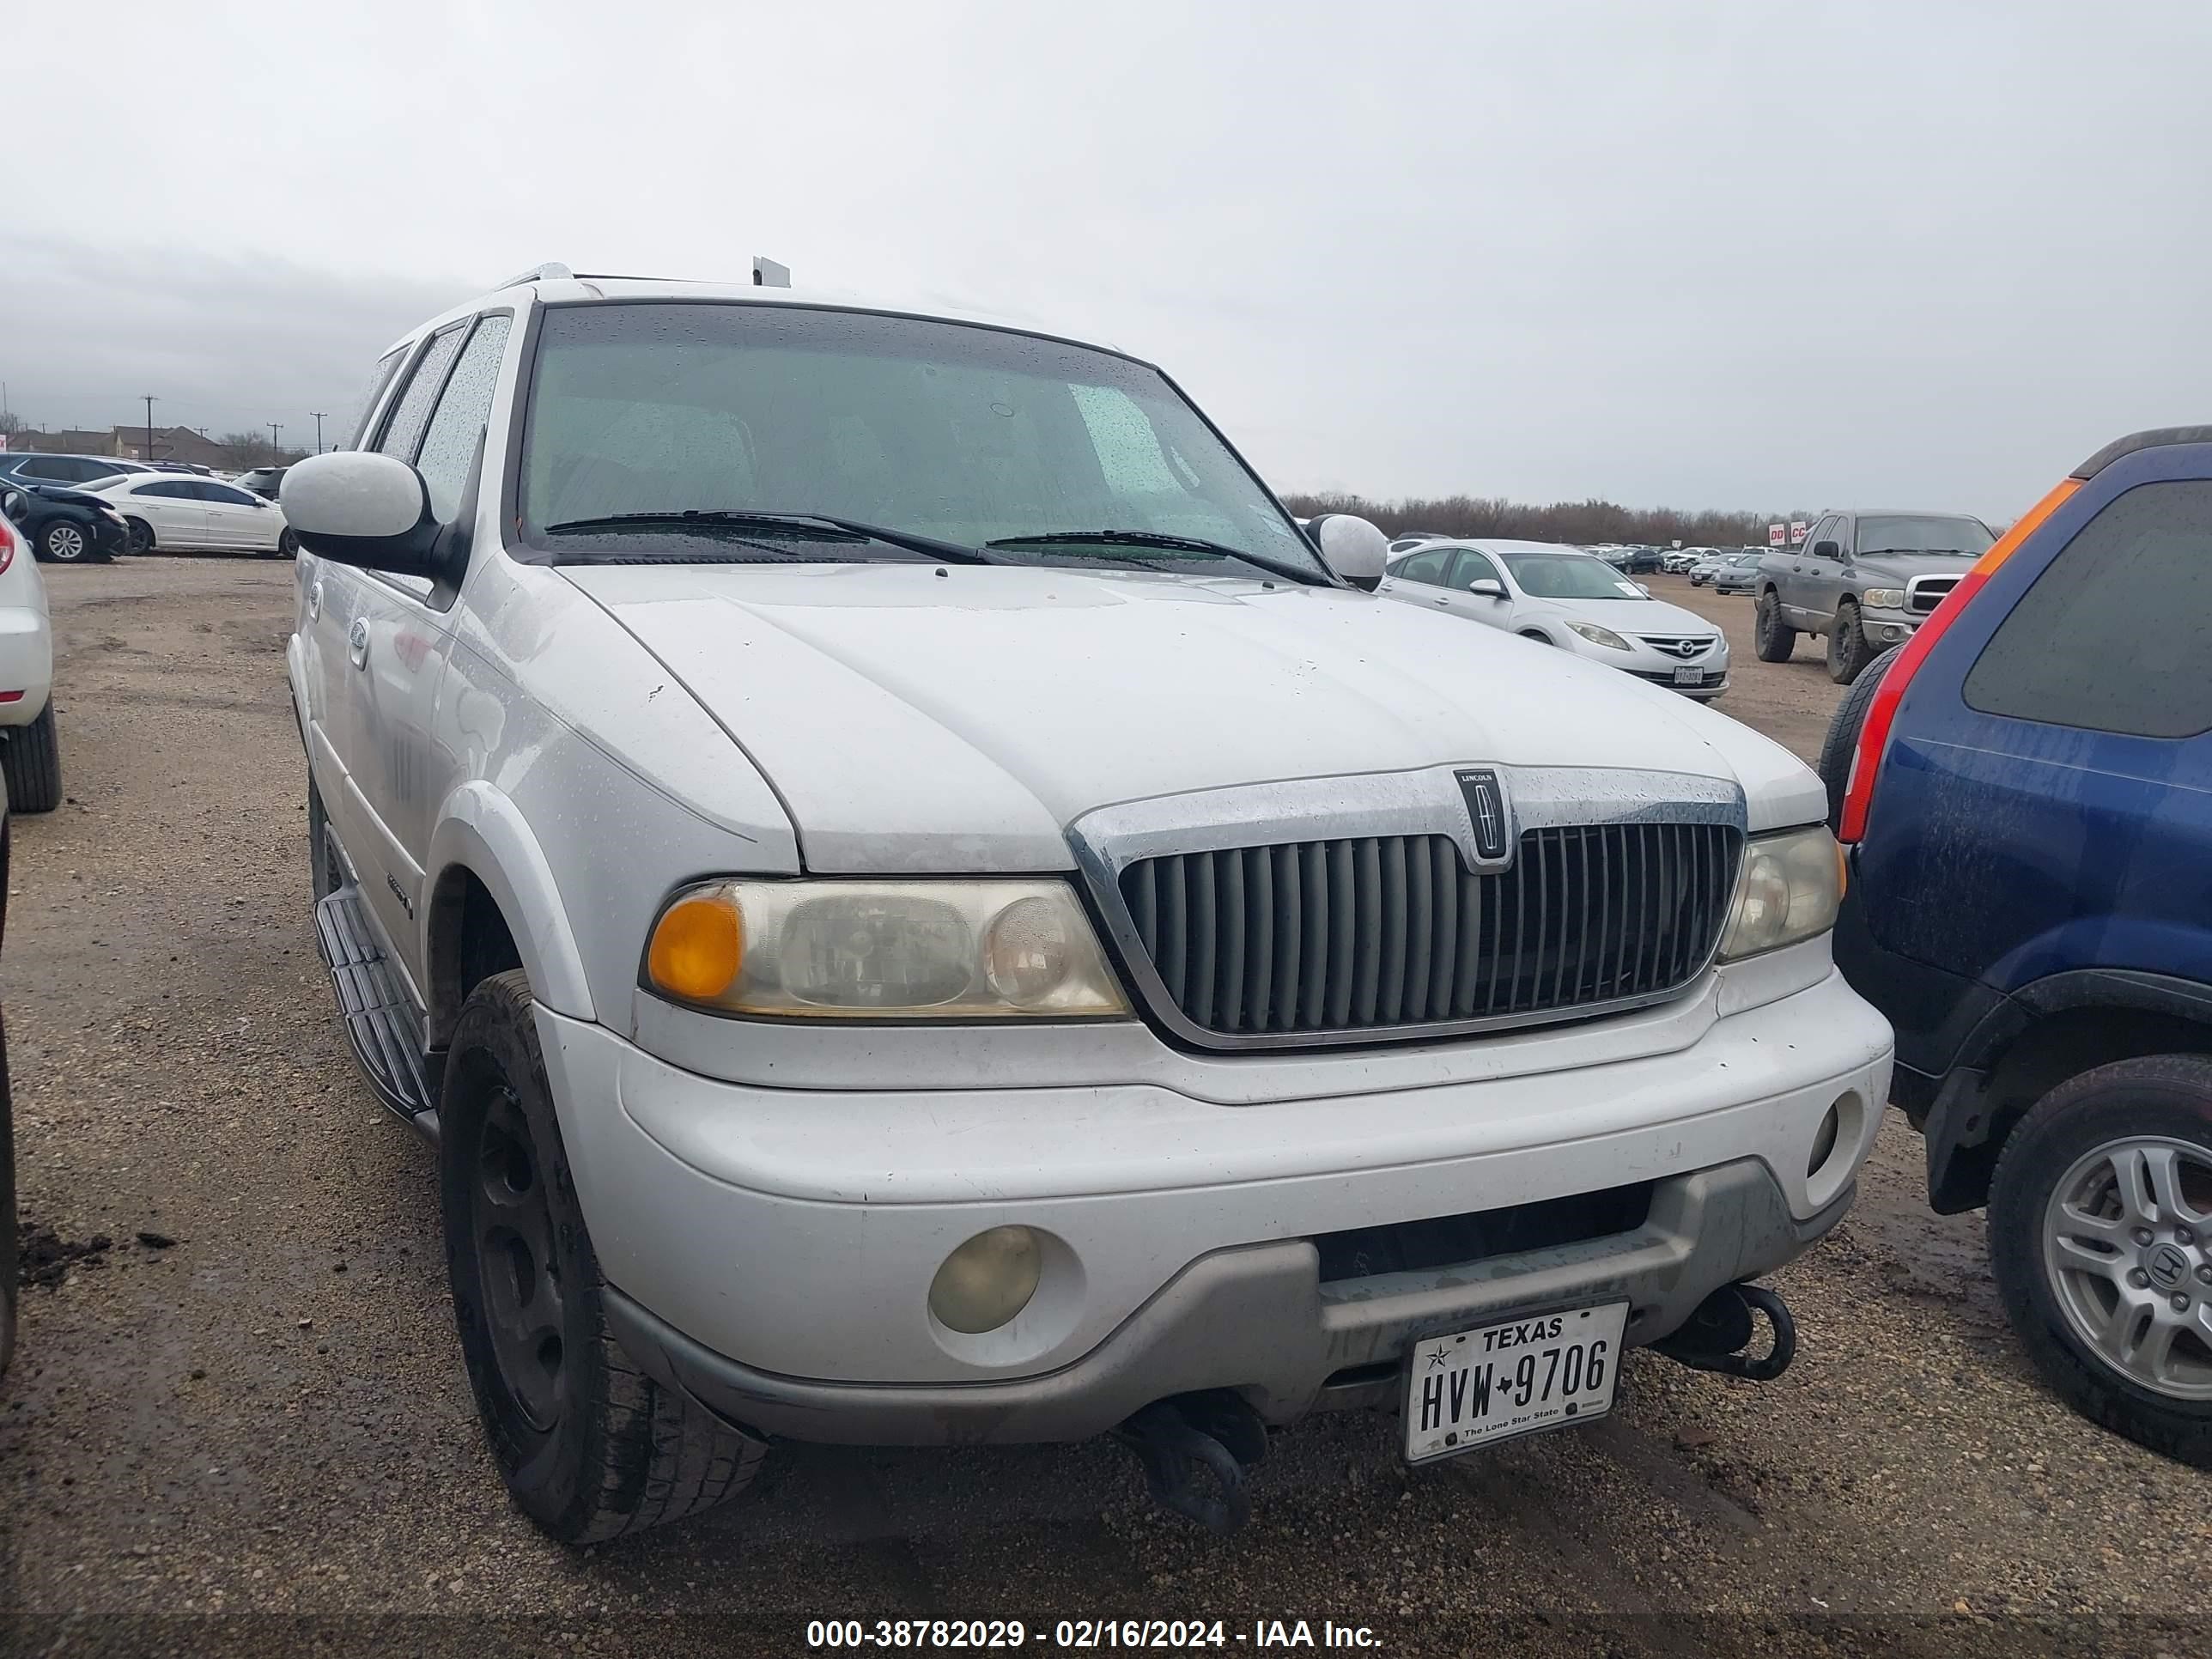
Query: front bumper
<point x="1885" y="627"/>
<point x="1257" y="1320"/>
<point x="773" y="1247"/>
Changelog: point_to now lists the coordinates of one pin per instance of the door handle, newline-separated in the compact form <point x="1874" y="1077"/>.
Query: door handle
<point x="315" y="600"/>
<point x="1442" y="602"/>
<point x="357" y="641"/>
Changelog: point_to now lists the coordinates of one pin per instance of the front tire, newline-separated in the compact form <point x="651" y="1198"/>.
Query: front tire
<point x="31" y="764"/>
<point x="1771" y="638"/>
<point x="590" y="1447"/>
<point x="2101" y="1238"/>
<point x="287" y="546"/>
<point x="1842" y="742"/>
<point x="1849" y="648"/>
<point x="66" y="542"/>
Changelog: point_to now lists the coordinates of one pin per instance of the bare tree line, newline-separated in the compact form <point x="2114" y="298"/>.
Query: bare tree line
<point x="1581" y="522"/>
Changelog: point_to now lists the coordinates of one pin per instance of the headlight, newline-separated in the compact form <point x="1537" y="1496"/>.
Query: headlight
<point x="1789" y="888"/>
<point x="877" y="950"/>
<point x="1596" y="635"/>
<point x="1885" y="599"/>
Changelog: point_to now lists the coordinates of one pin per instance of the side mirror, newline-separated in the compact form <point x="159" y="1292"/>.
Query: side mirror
<point x="1486" y="587"/>
<point x="361" y="508"/>
<point x="14" y="502"/>
<point x="1354" y="548"/>
<point x="1827" y="550"/>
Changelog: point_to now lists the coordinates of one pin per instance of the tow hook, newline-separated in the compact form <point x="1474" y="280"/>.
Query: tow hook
<point x="1187" y="1436"/>
<point x="1713" y="1338"/>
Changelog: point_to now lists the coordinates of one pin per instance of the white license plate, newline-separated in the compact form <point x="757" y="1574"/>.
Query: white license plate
<point x="1689" y="677"/>
<point x="1471" y="1388"/>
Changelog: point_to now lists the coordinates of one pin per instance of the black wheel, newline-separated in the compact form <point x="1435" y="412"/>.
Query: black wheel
<point x="141" y="535"/>
<point x="32" y="765"/>
<point x="589" y="1446"/>
<point x="1772" y="638"/>
<point x="1849" y="649"/>
<point x="2100" y="1237"/>
<point x="66" y="542"/>
<point x="287" y="546"/>
<point x="1834" y="765"/>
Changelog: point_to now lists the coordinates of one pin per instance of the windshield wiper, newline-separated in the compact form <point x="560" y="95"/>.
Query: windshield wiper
<point x="1153" y="538"/>
<point x="1954" y="552"/>
<point x="812" y="526"/>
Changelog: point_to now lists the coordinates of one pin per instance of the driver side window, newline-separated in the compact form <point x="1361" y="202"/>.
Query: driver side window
<point x="1473" y="568"/>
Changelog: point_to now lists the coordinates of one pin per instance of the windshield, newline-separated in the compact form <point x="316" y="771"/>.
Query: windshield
<point x="1570" y="576"/>
<point x="966" y="435"/>
<point x="1969" y="537"/>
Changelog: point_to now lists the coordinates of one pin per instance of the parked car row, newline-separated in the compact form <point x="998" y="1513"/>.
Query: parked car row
<point x="138" y="508"/>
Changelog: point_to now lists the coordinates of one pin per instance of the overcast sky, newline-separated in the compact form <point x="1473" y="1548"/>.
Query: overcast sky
<point x="1759" y="254"/>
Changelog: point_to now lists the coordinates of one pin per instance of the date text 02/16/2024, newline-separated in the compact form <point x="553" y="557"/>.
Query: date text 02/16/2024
<point x="1083" y="1634"/>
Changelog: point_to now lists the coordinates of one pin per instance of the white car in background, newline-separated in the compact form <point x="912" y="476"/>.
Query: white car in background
<point x="1564" y="597"/>
<point x="170" y="513"/>
<point x="30" y="757"/>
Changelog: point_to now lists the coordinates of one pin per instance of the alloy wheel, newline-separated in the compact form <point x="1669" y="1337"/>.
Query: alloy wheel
<point x="2127" y="1243"/>
<point x="64" y="543"/>
<point x="516" y="1265"/>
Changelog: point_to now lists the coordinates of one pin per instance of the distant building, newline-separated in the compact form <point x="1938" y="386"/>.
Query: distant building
<point x="171" y="443"/>
<point x="65" y="443"/>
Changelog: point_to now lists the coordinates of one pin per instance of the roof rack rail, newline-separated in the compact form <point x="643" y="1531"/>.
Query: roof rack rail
<point x="550" y="272"/>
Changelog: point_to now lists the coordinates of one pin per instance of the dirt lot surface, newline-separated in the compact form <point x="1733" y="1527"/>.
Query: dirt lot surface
<point x="251" y="1404"/>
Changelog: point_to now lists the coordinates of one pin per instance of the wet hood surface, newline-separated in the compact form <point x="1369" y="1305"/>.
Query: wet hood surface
<point x="918" y="720"/>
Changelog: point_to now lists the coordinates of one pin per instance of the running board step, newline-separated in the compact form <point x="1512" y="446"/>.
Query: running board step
<point x="380" y="1021"/>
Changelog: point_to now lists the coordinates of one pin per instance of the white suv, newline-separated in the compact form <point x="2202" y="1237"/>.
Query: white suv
<point x="921" y="908"/>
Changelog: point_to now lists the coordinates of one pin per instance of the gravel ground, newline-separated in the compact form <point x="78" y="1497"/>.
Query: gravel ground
<point x="243" y="1426"/>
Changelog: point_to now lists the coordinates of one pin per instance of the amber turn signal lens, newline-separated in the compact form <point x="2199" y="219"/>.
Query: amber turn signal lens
<point x="698" y="945"/>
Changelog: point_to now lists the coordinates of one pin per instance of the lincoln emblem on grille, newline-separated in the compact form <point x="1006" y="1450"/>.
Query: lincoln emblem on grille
<point x="1486" y="809"/>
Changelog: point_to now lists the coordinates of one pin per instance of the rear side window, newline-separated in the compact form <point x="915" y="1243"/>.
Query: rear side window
<point x="182" y="492"/>
<point x="2112" y="634"/>
<point x="1425" y="568"/>
<point x="404" y="428"/>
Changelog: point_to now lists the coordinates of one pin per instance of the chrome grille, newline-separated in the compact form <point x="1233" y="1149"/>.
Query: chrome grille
<point x="1685" y="646"/>
<point x="1367" y="934"/>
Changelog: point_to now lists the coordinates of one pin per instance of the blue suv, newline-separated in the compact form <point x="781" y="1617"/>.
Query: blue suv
<point x="2025" y="791"/>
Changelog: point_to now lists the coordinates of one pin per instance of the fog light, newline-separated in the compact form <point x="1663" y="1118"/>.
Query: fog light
<point x="987" y="1281"/>
<point x="1824" y="1141"/>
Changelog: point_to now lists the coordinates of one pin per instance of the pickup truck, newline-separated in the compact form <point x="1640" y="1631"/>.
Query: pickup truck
<point x="918" y="905"/>
<point x="1865" y="581"/>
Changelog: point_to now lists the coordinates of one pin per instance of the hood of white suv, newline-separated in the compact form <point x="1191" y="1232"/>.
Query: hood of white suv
<point x="911" y="720"/>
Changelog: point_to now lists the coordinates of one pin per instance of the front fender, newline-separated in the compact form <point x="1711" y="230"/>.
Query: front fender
<point x="482" y="830"/>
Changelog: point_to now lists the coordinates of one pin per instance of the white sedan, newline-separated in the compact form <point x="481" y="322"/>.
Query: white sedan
<point x="30" y="758"/>
<point x="1563" y="597"/>
<point x="167" y="512"/>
